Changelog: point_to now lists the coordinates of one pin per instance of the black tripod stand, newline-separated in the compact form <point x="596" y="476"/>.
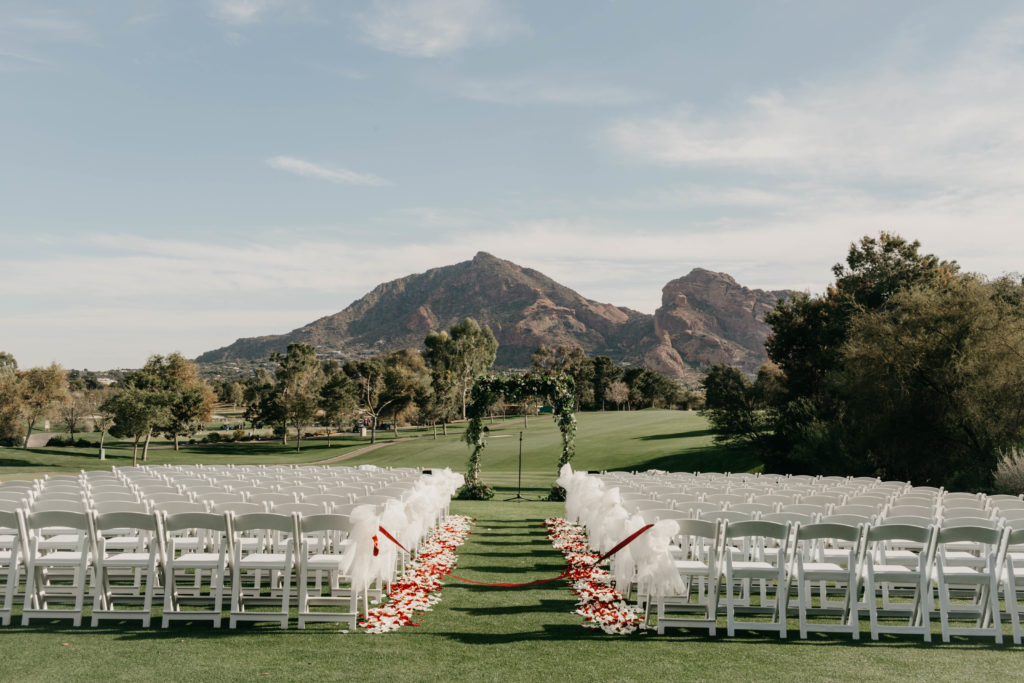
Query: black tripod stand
<point x="519" y="487"/>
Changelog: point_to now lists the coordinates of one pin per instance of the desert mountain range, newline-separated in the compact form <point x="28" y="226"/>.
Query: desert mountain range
<point x="705" y="318"/>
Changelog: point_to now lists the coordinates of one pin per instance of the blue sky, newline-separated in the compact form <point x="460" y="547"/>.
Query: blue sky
<point x="174" y="175"/>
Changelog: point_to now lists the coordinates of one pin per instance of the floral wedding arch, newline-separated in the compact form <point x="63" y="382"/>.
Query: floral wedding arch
<point x="556" y="390"/>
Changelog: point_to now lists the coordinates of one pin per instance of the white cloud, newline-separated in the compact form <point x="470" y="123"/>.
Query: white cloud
<point x="956" y="125"/>
<point x="430" y="28"/>
<point x="334" y="174"/>
<point x="524" y="90"/>
<point x="242" y="11"/>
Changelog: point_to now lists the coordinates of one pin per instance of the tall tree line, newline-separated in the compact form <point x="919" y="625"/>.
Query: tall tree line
<point x="905" y="368"/>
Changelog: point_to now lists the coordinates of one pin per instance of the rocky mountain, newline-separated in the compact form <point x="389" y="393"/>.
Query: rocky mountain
<point x="524" y="308"/>
<point x="705" y="318"/>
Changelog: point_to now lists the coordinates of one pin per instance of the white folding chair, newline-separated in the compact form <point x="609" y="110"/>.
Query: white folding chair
<point x="141" y="563"/>
<point x="753" y="563"/>
<point x="811" y="564"/>
<point x="968" y="589"/>
<point x="11" y="526"/>
<point x="58" y="576"/>
<point x="274" y="554"/>
<point x="1013" y="580"/>
<point x="324" y="540"/>
<point x="197" y="545"/>
<point x="697" y="605"/>
<point x="899" y="555"/>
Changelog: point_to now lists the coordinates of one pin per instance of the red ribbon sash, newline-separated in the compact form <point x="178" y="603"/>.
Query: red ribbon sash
<point x="619" y="546"/>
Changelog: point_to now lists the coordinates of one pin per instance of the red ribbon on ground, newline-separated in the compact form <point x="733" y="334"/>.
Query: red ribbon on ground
<point x="619" y="546"/>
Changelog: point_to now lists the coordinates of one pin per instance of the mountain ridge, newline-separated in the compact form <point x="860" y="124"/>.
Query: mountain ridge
<point x="526" y="308"/>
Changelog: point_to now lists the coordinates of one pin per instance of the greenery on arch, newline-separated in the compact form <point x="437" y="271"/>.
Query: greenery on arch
<point x="556" y="390"/>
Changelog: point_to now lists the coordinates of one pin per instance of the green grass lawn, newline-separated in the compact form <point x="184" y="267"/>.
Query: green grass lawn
<point x="639" y="440"/>
<point x="479" y="633"/>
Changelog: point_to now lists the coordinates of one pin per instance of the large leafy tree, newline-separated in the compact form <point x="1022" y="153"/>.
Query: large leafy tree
<point x="136" y="410"/>
<point x="460" y="355"/>
<point x="569" y="360"/>
<point x="371" y="386"/>
<point x="189" y="400"/>
<point x="338" y="398"/>
<point x="299" y="380"/>
<point x="606" y="372"/>
<point x="808" y="333"/>
<point x="10" y="398"/>
<point x="405" y="377"/>
<point x="42" y="389"/>
<point x="931" y="382"/>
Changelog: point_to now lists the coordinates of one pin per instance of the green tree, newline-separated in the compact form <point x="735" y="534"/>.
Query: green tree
<point x="10" y="399"/>
<point x="42" y="389"/>
<point x="338" y="399"/>
<point x="808" y="334"/>
<point x="136" y="410"/>
<point x="188" y="400"/>
<point x="931" y="382"/>
<point x="406" y="376"/>
<point x="231" y="392"/>
<point x="606" y="372"/>
<point x="369" y="378"/>
<point x="735" y="407"/>
<point x="299" y="379"/>
<point x="460" y="355"/>
<point x="569" y="360"/>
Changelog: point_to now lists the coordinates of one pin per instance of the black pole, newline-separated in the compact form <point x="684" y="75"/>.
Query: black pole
<point x="519" y="486"/>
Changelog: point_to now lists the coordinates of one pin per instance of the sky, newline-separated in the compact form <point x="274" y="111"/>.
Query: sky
<point x="178" y="174"/>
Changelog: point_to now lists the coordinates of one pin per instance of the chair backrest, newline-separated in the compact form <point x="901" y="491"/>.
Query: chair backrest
<point x="238" y="508"/>
<point x="841" y="532"/>
<point x="324" y="522"/>
<point x="887" y="531"/>
<point x="195" y="520"/>
<point x="803" y="509"/>
<point x="262" y="520"/>
<point x="849" y="520"/>
<point x="174" y="507"/>
<point x="125" y="520"/>
<point x="789" y="517"/>
<point x="948" y="522"/>
<point x="58" y="505"/>
<point x="699" y="528"/>
<point x="756" y="528"/>
<point x="863" y="510"/>
<point x="753" y="508"/>
<point x="653" y="515"/>
<point x="57" y="518"/>
<point x="300" y="508"/>
<point x="971" y="534"/>
<point x="9" y="520"/>
<point x="727" y="515"/>
<point x="119" y="506"/>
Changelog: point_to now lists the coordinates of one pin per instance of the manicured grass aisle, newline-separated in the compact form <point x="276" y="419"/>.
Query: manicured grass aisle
<point x="482" y="634"/>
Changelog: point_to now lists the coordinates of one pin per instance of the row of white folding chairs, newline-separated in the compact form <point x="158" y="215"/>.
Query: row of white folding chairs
<point x="723" y="559"/>
<point x="132" y="558"/>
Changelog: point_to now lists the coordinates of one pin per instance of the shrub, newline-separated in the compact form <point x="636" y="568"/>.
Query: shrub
<point x="212" y="437"/>
<point x="478" y="491"/>
<point x="238" y="435"/>
<point x="1009" y="474"/>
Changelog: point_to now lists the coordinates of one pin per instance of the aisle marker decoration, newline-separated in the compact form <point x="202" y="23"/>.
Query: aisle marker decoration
<point x="418" y="590"/>
<point x="602" y="606"/>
